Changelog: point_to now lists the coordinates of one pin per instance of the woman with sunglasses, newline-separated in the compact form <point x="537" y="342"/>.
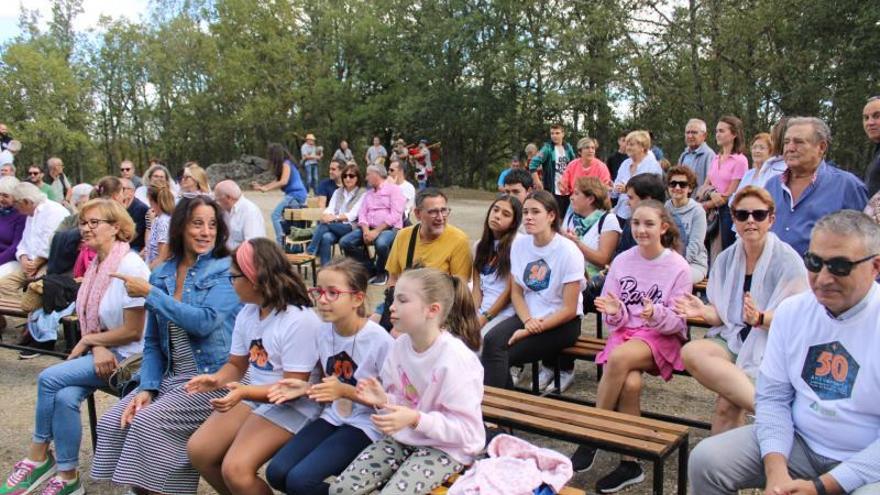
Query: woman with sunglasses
<point x="341" y="213"/>
<point x="747" y="283"/>
<point x="690" y="217"/>
<point x="194" y="180"/>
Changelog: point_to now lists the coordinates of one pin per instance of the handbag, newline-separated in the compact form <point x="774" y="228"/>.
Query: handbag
<point x="385" y="320"/>
<point x="126" y="376"/>
<point x="713" y="216"/>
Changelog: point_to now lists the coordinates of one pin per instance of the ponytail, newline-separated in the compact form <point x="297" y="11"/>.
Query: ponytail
<point x="462" y="318"/>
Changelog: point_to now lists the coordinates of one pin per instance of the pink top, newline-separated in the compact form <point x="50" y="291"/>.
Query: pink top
<point x="445" y="384"/>
<point x="721" y="175"/>
<point x="663" y="280"/>
<point x="383" y="205"/>
<point x="83" y="259"/>
<point x="575" y="170"/>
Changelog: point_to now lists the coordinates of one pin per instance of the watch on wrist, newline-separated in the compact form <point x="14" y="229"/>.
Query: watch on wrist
<point x="761" y="319"/>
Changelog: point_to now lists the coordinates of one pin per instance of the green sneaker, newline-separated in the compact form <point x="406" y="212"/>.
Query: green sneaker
<point x="58" y="486"/>
<point x="298" y="234"/>
<point x="27" y="476"/>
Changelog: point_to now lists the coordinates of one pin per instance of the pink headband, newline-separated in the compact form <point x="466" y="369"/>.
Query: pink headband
<point x="244" y="257"/>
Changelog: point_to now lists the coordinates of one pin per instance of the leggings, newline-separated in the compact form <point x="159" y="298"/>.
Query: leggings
<point x="498" y="357"/>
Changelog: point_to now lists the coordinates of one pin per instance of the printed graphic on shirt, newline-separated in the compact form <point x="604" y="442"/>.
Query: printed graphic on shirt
<point x="343" y="366"/>
<point x="489" y="268"/>
<point x="258" y="357"/>
<point x="830" y="370"/>
<point x="409" y="390"/>
<point x="632" y="296"/>
<point x="536" y="275"/>
<point x="561" y="164"/>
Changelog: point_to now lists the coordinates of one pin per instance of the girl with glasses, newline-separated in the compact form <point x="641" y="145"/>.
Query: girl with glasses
<point x="747" y="283"/>
<point x="690" y="218"/>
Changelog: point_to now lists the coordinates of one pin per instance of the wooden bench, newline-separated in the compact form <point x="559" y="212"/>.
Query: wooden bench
<point x="442" y="490"/>
<point x="302" y="261"/>
<point x="644" y="438"/>
<point x="303" y="214"/>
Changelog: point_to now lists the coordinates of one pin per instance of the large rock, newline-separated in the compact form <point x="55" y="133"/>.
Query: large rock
<point x="244" y="170"/>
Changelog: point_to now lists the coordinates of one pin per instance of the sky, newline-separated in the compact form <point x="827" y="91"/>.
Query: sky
<point x="92" y="11"/>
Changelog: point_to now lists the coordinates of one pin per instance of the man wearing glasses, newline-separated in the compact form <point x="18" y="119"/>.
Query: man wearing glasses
<point x="127" y="171"/>
<point x="35" y="177"/>
<point x="817" y="427"/>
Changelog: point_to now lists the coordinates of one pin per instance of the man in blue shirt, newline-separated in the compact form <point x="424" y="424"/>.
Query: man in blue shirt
<point x="810" y="188"/>
<point x="514" y="164"/>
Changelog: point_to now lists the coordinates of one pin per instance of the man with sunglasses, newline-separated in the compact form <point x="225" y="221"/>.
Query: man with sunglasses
<point x="127" y="171"/>
<point x="35" y="177"/>
<point x="810" y="188"/>
<point x="817" y="426"/>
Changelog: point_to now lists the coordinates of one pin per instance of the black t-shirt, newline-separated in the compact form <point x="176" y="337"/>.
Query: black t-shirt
<point x="326" y="188"/>
<point x="747" y="286"/>
<point x="614" y="162"/>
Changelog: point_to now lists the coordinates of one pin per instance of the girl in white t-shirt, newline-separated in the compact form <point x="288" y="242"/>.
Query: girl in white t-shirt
<point x="428" y="403"/>
<point x="350" y="347"/>
<point x="157" y="249"/>
<point x="491" y="287"/>
<point x="275" y="337"/>
<point x="548" y="278"/>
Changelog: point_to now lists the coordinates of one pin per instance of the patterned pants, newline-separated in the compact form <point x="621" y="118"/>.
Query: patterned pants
<point x="403" y="470"/>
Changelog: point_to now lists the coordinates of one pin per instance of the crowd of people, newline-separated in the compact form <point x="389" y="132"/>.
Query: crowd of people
<point x="242" y="364"/>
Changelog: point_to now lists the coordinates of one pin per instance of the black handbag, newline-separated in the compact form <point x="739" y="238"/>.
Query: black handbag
<point x="385" y="320"/>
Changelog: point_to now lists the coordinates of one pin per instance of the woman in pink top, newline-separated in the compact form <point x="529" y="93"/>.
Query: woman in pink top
<point x="428" y="404"/>
<point x="638" y="303"/>
<point x="725" y="172"/>
<point x="585" y="166"/>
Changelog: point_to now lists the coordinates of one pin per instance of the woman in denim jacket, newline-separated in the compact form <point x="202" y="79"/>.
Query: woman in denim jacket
<point x="192" y="308"/>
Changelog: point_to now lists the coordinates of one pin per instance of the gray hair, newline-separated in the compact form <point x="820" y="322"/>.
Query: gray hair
<point x="227" y="188"/>
<point x="379" y="169"/>
<point x="851" y="223"/>
<point x="701" y="125"/>
<point x="7" y="185"/>
<point x="80" y="192"/>
<point x="584" y="141"/>
<point x="531" y="147"/>
<point x="25" y="191"/>
<point x="14" y="146"/>
<point x="11" y="168"/>
<point x="54" y="161"/>
<point x="821" y="131"/>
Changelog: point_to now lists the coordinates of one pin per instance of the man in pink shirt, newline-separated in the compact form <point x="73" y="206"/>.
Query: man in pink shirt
<point x="379" y="219"/>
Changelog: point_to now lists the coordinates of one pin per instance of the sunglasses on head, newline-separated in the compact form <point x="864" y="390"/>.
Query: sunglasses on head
<point x="840" y="267"/>
<point x="678" y="183"/>
<point x="758" y="215"/>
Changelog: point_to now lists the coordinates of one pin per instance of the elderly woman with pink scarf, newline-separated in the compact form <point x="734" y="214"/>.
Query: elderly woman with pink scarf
<point x="112" y="326"/>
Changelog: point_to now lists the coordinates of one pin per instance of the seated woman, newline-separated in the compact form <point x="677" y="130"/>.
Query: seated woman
<point x="340" y="215"/>
<point x="491" y="287"/>
<point x="275" y="337"/>
<point x="646" y="333"/>
<point x="11" y="226"/>
<point x="747" y="283"/>
<point x="548" y="278"/>
<point x="192" y="307"/>
<point x="112" y="324"/>
<point x="690" y="218"/>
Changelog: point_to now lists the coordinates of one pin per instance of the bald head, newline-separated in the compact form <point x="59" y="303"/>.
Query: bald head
<point x="227" y="193"/>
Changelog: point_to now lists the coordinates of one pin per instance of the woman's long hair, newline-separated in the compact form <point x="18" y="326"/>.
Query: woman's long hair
<point x="276" y="154"/>
<point x="486" y="253"/>
<point x="277" y="281"/>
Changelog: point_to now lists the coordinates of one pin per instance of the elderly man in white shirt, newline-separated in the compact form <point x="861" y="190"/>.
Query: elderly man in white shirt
<point x="242" y="216"/>
<point x="43" y="218"/>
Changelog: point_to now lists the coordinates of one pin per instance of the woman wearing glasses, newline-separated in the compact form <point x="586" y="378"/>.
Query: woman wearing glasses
<point x="690" y="217"/>
<point x="747" y="283"/>
<point x="192" y="307"/>
<point x="341" y="213"/>
<point x="194" y="180"/>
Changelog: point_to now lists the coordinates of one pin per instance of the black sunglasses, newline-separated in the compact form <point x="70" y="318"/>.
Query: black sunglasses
<point x="758" y="215"/>
<point x="678" y="183"/>
<point x="33" y="173"/>
<point x="350" y="176"/>
<point x="840" y="267"/>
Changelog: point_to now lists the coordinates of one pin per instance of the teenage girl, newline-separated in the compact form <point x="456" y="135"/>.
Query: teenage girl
<point x="428" y="403"/>
<point x="275" y="337"/>
<point x="638" y="303"/>
<point x="350" y="347"/>
<point x="492" y="262"/>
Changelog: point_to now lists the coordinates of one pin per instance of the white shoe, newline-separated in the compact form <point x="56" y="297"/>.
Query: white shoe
<point x="545" y="378"/>
<point x="517" y="373"/>
<point x="566" y="378"/>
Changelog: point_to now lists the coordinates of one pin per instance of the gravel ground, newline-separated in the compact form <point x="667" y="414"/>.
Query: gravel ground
<point x="681" y="397"/>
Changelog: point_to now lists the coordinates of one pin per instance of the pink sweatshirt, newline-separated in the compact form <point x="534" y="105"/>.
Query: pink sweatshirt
<point x="663" y="280"/>
<point x="445" y="384"/>
<point x="575" y="171"/>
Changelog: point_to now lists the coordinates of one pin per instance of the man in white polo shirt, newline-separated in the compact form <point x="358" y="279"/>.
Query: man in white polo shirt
<point x="242" y="216"/>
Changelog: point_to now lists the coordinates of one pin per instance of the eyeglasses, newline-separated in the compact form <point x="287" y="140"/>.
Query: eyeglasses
<point x="349" y="176"/>
<point x="678" y="183"/>
<point x="92" y="223"/>
<point x="331" y="294"/>
<point x="758" y="215"/>
<point x="439" y="212"/>
<point x="839" y="267"/>
<point x="232" y="277"/>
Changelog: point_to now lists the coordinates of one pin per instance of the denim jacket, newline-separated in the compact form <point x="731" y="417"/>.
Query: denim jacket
<point x="206" y="311"/>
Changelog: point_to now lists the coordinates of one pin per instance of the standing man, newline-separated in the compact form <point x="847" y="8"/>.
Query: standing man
<point x="7" y="156"/>
<point x="697" y="156"/>
<point x="375" y="151"/>
<point x="615" y="159"/>
<point x="127" y="171"/>
<point x="343" y="153"/>
<point x="242" y="216"/>
<point x="817" y="427"/>
<point x="5" y="138"/>
<point x="552" y="161"/>
<point x="871" y="123"/>
<point x="310" y="156"/>
<point x="137" y="210"/>
<point x="35" y="177"/>
<point x="57" y="180"/>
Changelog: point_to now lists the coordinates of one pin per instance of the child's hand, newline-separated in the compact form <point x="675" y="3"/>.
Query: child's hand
<point x="609" y="305"/>
<point x="287" y="389"/>
<point x="395" y="419"/>
<point x="328" y="390"/>
<point x="231" y="399"/>
<point x="647" y="309"/>
<point x="201" y="384"/>
<point x="371" y="392"/>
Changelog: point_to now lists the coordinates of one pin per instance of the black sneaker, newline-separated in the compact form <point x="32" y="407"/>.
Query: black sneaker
<point x="627" y="473"/>
<point x="379" y="279"/>
<point x="583" y="458"/>
<point x="32" y="353"/>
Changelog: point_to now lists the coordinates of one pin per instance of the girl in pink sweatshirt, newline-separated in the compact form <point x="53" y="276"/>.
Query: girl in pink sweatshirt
<point x="428" y="402"/>
<point x="638" y="301"/>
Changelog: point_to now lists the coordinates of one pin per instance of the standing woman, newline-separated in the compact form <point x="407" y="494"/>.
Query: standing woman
<point x="192" y="307"/>
<point x="340" y="215"/>
<point x="764" y="167"/>
<point x="640" y="161"/>
<point x="587" y="165"/>
<point x="287" y="179"/>
<point x="724" y="175"/>
<point x="491" y="287"/>
<point x="548" y="278"/>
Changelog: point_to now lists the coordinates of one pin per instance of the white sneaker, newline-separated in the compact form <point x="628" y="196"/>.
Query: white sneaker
<point x="545" y="378"/>
<point x="566" y="378"/>
<point x="517" y="373"/>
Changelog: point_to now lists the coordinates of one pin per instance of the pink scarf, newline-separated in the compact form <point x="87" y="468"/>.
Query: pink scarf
<point x="83" y="260"/>
<point x="94" y="285"/>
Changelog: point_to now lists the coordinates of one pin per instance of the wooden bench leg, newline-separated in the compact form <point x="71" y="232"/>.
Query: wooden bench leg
<point x="683" y="465"/>
<point x="535" y="373"/>
<point x="658" y="477"/>
<point x="93" y="421"/>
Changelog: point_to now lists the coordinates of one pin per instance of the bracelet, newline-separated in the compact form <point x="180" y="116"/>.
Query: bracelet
<point x="820" y="487"/>
<point x="760" y="319"/>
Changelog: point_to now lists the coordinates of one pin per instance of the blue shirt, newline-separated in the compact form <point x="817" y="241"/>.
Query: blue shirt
<point x="832" y="190"/>
<point x="294" y="186"/>
<point x="326" y="188"/>
<point x="502" y="176"/>
<point x="698" y="160"/>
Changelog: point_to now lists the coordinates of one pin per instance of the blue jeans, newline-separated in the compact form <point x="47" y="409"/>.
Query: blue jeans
<point x="319" y="450"/>
<point x="352" y="245"/>
<point x="60" y="391"/>
<point x="325" y="236"/>
<point x="278" y="217"/>
<point x="311" y="176"/>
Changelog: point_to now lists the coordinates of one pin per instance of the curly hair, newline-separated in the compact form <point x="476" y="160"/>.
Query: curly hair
<point x="277" y="282"/>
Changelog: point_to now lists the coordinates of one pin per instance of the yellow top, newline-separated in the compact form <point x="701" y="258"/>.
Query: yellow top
<point x="448" y="253"/>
